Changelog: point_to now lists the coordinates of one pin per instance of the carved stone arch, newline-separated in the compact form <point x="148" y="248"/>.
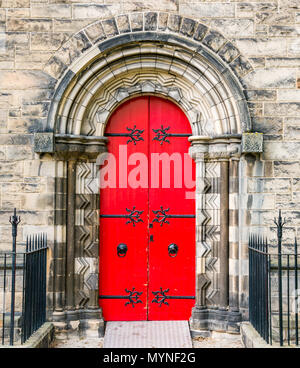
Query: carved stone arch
<point x="188" y="39"/>
<point x="187" y="67"/>
<point x="215" y="94"/>
<point x="102" y="110"/>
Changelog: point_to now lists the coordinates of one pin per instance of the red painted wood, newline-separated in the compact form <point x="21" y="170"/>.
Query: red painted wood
<point x="176" y="274"/>
<point x="147" y="266"/>
<point x="117" y="274"/>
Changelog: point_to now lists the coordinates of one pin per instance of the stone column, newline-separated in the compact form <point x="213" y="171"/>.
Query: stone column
<point x="234" y="312"/>
<point x="70" y="261"/>
<point x="57" y="272"/>
<point x="74" y="268"/>
<point x="224" y="235"/>
<point x="199" y="312"/>
<point x="214" y="170"/>
<point x="233" y="235"/>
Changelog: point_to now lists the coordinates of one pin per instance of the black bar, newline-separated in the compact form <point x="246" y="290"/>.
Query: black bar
<point x="179" y="297"/>
<point x="23" y="298"/>
<point x="296" y="292"/>
<point x="114" y="216"/>
<point x="288" y="296"/>
<point x="270" y="303"/>
<point x="178" y="135"/>
<point x="14" y="220"/>
<point x="180" y="216"/>
<point x="280" y="295"/>
<point x="4" y="290"/>
<point x="113" y="297"/>
<point x="117" y="135"/>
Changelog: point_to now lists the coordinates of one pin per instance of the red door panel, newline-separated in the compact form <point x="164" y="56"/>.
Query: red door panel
<point x="118" y="274"/>
<point x="165" y="281"/>
<point x="172" y="276"/>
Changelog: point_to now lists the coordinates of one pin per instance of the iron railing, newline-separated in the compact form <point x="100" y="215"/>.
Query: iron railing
<point x="274" y="298"/>
<point x="22" y="287"/>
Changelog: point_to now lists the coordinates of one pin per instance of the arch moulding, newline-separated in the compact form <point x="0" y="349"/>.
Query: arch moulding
<point x="199" y="70"/>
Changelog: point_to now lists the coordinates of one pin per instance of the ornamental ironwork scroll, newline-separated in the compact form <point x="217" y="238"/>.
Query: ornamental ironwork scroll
<point x="134" y="297"/>
<point x="134" y="135"/>
<point x="133" y="216"/>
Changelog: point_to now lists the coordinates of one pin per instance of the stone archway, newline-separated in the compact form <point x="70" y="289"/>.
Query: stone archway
<point x="179" y="67"/>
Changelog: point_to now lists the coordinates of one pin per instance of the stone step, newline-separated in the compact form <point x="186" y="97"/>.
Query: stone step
<point x="148" y="334"/>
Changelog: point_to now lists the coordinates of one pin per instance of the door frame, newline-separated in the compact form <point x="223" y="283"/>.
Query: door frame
<point x="119" y="105"/>
<point x="68" y="139"/>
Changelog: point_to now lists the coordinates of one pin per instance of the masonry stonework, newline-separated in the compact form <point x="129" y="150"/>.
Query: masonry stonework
<point x="232" y="66"/>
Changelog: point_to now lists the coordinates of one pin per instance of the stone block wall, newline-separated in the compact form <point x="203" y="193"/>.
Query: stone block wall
<point x="260" y="40"/>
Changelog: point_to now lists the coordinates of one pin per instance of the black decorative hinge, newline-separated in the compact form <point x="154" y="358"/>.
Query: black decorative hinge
<point x="133" y="216"/>
<point x="160" y="297"/>
<point x="134" y="297"/>
<point x="134" y="135"/>
<point x="162" y="135"/>
<point x="162" y="216"/>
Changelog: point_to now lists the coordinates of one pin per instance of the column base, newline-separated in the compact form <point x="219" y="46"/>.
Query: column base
<point x="79" y="323"/>
<point x="208" y="319"/>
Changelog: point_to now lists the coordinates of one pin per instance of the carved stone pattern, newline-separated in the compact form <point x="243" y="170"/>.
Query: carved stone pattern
<point x="212" y="231"/>
<point x="86" y="228"/>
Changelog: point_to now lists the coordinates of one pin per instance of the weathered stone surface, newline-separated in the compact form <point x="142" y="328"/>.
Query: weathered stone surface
<point x="281" y="151"/>
<point x="43" y="142"/>
<point x="241" y="66"/>
<point x="210" y="9"/>
<point x="47" y="41"/>
<point x="51" y="11"/>
<point x="286" y="168"/>
<point x="19" y="153"/>
<point x="163" y="21"/>
<point x="269" y="17"/>
<point x="92" y="11"/>
<point x="214" y="40"/>
<point x="146" y="5"/>
<point x="261" y="94"/>
<point x="252" y="142"/>
<point x="136" y="21"/>
<point x="283" y="62"/>
<point x="40" y="40"/>
<point x="282" y="109"/>
<point x="294" y="47"/>
<point x="233" y="27"/>
<point x="188" y="27"/>
<point x="200" y="32"/>
<point x="284" y="31"/>
<point x="228" y="52"/>
<point x="261" y="46"/>
<point x="289" y="5"/>
<point x="150" y="21"/>
<point x="292" y="129"/>
<point x="69" y="25"/>
<point x="95" y="32"/>
<point x="110" y="27"/>
<point x="174" y="22"/>
<point x="55" y="67"/>
<point x="25" y="79"/>
<point x="73" y="48"/>
<point x="269" y="185"/>
<point x="268" y="125"/>
<point x="270" y="78"/>
<point x="123" y="23"/>
<point x="29" y="25"/>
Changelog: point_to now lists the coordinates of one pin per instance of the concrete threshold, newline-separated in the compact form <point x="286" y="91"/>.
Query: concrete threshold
<point x="147" y="334"/>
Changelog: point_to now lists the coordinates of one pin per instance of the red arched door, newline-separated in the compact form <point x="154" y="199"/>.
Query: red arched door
<point x="147" y="214"/>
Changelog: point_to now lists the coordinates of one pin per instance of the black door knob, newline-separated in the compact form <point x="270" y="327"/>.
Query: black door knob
<point x="122" y="250"/>
<point x="173" y="250"/>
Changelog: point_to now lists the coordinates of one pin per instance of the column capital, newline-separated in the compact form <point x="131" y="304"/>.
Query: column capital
<point x="220" y="148"/>
<point x="69" y="146"/>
